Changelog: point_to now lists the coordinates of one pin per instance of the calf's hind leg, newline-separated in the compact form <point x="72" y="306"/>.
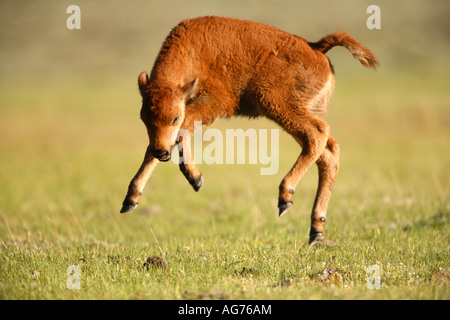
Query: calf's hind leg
<point x="312" y="134"/>
<point x="328" y="165"/>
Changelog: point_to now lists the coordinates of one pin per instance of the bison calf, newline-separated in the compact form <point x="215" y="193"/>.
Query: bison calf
<point x="213" y="67"/>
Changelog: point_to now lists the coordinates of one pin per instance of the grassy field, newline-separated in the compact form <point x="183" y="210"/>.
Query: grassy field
<point x="71" y="140"/>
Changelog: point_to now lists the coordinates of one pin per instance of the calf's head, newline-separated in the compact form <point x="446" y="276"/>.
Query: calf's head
<point x="163" y="112"/>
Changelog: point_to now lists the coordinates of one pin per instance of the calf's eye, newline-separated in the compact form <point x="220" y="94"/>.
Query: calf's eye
<point x="175" y="120"/>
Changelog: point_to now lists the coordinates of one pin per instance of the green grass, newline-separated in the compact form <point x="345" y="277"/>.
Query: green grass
<point x="70" y="145"/>
<point x="63" y="183"/>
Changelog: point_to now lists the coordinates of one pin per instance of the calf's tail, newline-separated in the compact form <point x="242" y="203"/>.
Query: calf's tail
<point x="339" y="38"/>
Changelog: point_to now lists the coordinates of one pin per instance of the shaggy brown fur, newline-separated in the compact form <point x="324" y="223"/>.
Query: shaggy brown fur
<point x="213" y="67"/>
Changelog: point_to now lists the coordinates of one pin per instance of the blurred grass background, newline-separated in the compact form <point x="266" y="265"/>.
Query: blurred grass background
<point x="71" y="138"/>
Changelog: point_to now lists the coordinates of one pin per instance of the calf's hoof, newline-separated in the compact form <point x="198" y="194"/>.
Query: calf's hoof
<point x="126" y="206"/>
<point x="196" y="183"/>
<point x="319" y="240"/>
<point x="283" y="206"/>
<point x="316" y="238"/>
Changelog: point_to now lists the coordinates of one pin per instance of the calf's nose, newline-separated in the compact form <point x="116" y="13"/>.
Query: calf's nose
<point x="160" y="154"/>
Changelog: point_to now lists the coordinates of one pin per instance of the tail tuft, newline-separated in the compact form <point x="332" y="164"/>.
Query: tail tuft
<point x="339" y="38"/>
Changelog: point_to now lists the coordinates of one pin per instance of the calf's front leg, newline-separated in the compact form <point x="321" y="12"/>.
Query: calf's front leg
<point x="137" y="184"/>
<point x="187" y="165"/>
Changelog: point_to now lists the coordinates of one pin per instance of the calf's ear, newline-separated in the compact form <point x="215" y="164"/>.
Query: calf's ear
<point x="143" y="82"/>
<point x="189" y="88"/>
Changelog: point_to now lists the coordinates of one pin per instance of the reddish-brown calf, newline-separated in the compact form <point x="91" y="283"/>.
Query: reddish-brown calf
<point x="213" y="67"/>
